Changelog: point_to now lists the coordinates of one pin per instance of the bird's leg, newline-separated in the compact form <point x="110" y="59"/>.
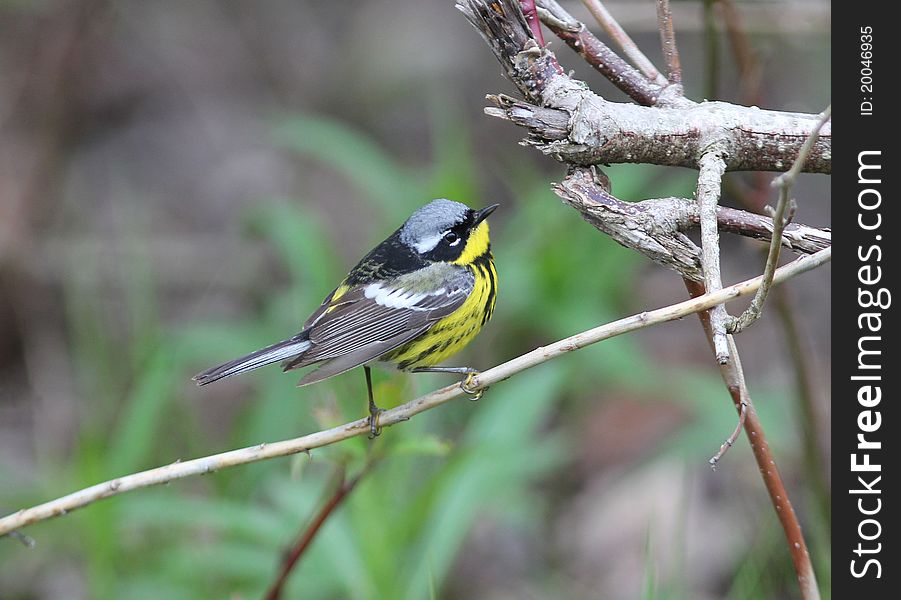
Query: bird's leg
<point x="465" y="385"/>
<point x="374" y="411"/>
<point x="459" y="370"/>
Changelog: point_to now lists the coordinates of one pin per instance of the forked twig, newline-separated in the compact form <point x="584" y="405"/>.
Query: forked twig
<point x="622" y="39"/>
<point x="784" y="182"/>
<point x="597" y="54"/>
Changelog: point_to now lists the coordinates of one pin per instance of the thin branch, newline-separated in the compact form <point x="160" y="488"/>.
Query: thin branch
<point x="668" y="42"/>
<point x="734" y="378"/>
<point x="625" y="43"/>
<point x="800" y="355"/>
<point x="597" y="54"/>
<point x="711" y="52"/>
<point x="749" y="70"/>
<point x="710" y="177"/>
<point x="210" y="464"/>
<point x="730" y="441"/>
<point x="531" y="15"/>
<point x="344" y="488"/>
<point x="784" y="182"/>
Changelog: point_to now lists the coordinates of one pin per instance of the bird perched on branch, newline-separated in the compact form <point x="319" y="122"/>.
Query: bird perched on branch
<point x="416" y="299"/>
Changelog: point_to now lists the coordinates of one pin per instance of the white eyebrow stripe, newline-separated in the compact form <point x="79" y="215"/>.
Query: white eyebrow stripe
<point x="428" y="244"/>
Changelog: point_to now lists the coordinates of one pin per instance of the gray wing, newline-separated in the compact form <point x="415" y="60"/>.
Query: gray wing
<point x="370" y="320"/>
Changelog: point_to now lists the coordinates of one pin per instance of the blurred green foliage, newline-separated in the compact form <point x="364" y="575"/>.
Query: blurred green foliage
<point x="401" y="530"/>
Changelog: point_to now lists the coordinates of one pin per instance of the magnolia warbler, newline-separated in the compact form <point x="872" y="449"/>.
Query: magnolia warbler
<point x="416" y="299"/>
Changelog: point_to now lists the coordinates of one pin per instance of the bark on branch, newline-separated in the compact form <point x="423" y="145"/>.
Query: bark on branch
<point x="576" y="126"/>
<point x="655" y="227"/>
<point x="710" y="181"/>
<point x="586" y="129"/>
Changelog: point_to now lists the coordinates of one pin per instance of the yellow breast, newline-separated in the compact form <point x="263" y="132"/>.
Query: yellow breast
<point x="452" y="333"/>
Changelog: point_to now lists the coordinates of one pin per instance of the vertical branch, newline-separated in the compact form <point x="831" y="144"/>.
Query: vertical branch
<point x="734" y="378"/>
<point x="711" y="51"/>
<point x="668" y="41"/>
<point x="622" y="39"/>
<point x="749" y="70"/>
<point x="749" y="92"/>
<point x="814" y="467"/>
<point x="530" y="12"/>
<point x="344" y="488"/>
<point x="710" y="176"/>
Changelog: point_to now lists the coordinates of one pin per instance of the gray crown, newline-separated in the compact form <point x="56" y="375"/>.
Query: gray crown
<point x="424" y="227"/>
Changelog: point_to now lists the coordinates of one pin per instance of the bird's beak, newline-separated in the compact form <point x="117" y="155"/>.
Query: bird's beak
<point x="481" y="215"/>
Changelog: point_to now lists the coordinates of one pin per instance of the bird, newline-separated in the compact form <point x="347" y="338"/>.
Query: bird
<point x="413" y="301"/>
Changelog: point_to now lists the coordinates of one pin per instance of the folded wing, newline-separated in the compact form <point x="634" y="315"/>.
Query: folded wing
<point x="369" y="320"/>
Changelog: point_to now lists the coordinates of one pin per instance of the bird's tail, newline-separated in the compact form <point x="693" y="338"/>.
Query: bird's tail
<point x="266" y="356"/>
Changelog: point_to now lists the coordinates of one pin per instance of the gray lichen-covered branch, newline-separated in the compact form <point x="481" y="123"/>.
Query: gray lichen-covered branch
<point x="569" y="122"/>
<point x="576" y="126"/>
<point x="656" y="227"/>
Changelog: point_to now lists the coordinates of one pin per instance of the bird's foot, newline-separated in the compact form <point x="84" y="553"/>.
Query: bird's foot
<point x="374" y="428"/>
<point x="467" y="386"/>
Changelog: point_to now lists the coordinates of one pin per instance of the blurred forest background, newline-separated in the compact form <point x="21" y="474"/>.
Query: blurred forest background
<point x="182" y="182"/>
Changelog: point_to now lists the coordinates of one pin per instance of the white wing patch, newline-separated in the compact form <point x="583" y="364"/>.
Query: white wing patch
<point x="398" y="297"/>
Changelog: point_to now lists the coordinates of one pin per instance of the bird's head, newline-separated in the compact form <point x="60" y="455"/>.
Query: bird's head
<point x="448" y="231"/>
